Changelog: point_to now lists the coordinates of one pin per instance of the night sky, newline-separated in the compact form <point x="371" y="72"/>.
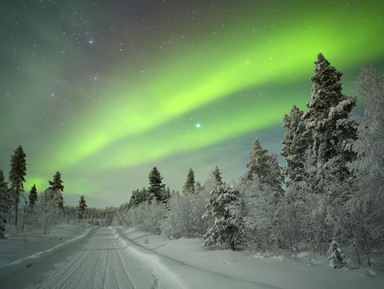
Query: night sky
<point x="103" y="91"/>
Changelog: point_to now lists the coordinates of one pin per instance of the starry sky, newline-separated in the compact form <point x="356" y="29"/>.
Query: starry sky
<point x="103" y="91"/>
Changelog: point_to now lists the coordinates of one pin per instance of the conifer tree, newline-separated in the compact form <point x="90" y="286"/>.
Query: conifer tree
<point x="82" y="207"/>
<point x="264" y="167"/>
<point x="32" y="197"/>
<point x="297" y="140"/>
<point x="328" y="112"/>
<point x="55" y="191"/>
<point x="216" y="174"/>
<point x="189" y="187"/>
<point x="156" y="186"/>
<point x="227" y="226"/>
<point x="16" y="176"/>
<point x="5" y="197"/>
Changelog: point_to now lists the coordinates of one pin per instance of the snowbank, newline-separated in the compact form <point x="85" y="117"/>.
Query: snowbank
<point x="275" y="271"/>
<point x="24" y="249"/>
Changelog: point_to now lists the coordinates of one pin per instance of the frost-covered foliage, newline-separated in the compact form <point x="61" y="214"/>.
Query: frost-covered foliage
<point x="146" y="216"/>
<point x="184" y="216"/>
<point x="327" y="106"/>
<point x="261" y="215"/>
<point x="224" y="208"/>
<point x="264" y="167"/>
<point x="297" y="139"/>
<point x="366" y="200"/>
<point x="48" y="210"/>
<point x="189" y="186"/>
<point x="336" y="256"/>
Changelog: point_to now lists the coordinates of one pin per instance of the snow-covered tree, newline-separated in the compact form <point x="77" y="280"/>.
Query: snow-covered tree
<point x="297" y="140"/>
<point x="16" y="176"/>
<point x="264" y="167"/>
<point x="48" y="210"/>
<point x="366" y="200"/>
<point x="189" y="186"/>
<point x="138" y="196"/>
<point x="82" y="207"/>
<point x="184" y="216"/>
<point x="32" y="198"/>
<point x="5" y="203"/>
<point x="336" y="256"/>
<point x="56" y="187"/>
<point x="328" y="116"/>
<point x="213" y="181"/>
<point x="224" y="208"/>
<point x="156" y="186"/>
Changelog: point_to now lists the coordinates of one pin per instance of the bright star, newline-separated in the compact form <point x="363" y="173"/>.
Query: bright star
<point x="198" y="125"/>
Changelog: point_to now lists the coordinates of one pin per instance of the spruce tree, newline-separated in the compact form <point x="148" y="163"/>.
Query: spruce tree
<point x="189" y="187"/>
<point x="224" y="209"/>
<point x="328" y="111"/>
<point x="297" y="140"/>
<point x="16" y="176"/>
<point x="216" y="174"/>
<point x="32" y="197"/>
<point x="156" y="186"/>
<point x="55" y="189"/>
<point x="264" y="166"/>
<point x="5" y="197"/>
<point x="82" y="207"/>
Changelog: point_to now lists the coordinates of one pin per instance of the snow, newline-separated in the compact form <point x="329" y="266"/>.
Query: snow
<point x="117" y="257"/>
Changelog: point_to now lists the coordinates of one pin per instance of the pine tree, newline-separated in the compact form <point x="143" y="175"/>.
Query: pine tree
<point x="213" y="181"/>
<point x="5" y="203"/>
<point x="297" y="140"/>
<point x="138" y="197"/>
<point x="56" y="186"/>
<point x="82" y="207"/>
<point x="5" y="197"/>
<point x="223" y="208"/>
<point x="16" y="176"/>
<point x="189" y="187"/>
<point x="32" y="197"/>
<point x="264" y="167"/>
<point x="327" y="113"/>
<point x="156" y="186"/>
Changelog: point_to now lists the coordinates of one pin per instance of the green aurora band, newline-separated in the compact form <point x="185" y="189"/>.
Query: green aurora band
<point x="133" y="126"/>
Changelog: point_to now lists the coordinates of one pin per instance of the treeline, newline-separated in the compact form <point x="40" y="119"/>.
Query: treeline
<point x="44" y="209"/>
<point x="329" y="192"/>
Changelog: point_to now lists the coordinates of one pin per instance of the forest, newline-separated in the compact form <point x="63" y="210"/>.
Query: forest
<point x="327" y="195"/>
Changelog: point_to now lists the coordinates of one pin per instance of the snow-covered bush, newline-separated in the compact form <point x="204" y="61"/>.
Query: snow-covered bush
<point x="146" y="217"/>
<point x="184" y="216"/>
<point x="336" y="256"/>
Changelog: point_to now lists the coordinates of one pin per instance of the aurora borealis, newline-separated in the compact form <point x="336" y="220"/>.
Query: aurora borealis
<point x="102" y="91"/>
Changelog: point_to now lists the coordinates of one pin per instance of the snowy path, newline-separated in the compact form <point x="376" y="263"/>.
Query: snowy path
<point x="104" y="259"/>
<point x="97" y="261"/>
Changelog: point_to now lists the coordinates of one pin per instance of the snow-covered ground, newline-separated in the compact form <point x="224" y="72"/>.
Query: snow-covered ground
<point x="124" y="258"/>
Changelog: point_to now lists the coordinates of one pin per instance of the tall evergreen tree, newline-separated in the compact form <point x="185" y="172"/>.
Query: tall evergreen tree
<point x="328" y="111"/>
<point x="16" y="176"/>
<point x="189" y="186"/>
<point x="32" y="197"/>
<point x="156" y="186"/>
<point x="82" y="207"/>
<point x="297" y="140"/>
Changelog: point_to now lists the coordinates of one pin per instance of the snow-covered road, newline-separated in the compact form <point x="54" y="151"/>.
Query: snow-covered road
<point x="105" y="259"/>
